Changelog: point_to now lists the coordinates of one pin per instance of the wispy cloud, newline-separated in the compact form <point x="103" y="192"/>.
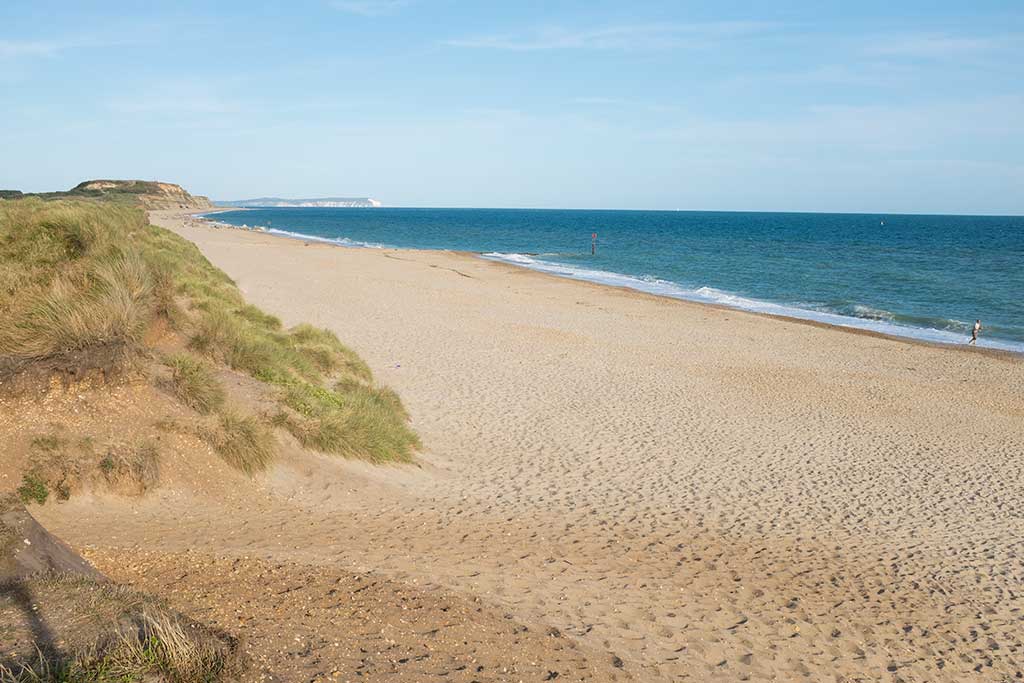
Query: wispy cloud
<point x="599" y="101"/>
<point x="14" y="49"/>
<point x="621" y="37"/>
<point x="369" y="8"/>
<point x="873" y="74"/>
<point x="175" y="98"/>
<point x="936" y="45"/>
<point x="32" y="48"/>
<point x="623" y="104"/>
<point x="878" y="132"/>
<point x="46" y="48"/>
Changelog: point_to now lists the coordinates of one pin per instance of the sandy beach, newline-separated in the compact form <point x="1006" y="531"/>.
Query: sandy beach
<point x="693" y="493"/>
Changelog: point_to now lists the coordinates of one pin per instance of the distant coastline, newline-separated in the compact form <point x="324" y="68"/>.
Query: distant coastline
<point x="322" y="202"/>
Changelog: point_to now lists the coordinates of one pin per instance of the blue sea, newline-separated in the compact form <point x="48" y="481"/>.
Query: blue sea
<point x="926" y="277"/>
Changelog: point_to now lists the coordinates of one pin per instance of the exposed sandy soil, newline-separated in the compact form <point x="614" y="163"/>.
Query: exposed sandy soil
<point x="311" y="624"/>
<point x="299" y="623"/>
<point x="703" y="493"/>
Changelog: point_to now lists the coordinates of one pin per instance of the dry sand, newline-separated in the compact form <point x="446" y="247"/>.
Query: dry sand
<point x="704" y="493"/>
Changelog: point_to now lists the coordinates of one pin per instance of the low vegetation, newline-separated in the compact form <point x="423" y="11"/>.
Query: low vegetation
<point x="111" y="635"/>
<point x="194" y="382"/>
<point x="61" y="466"/>
<point x="81" y="283"/>
<point x="242" y="440"/>
<point x="132" y="467"/>
<point x="327" y="395"/>
<point x="160" y="649"/>
<point x="71" y="285"/>
<point x="33" y="489"/>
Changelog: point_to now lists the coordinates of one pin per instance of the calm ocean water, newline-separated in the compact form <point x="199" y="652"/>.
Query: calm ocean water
<point x="927" y="277"/>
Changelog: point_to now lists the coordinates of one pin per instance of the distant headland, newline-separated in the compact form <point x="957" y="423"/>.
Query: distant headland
<point x="324" y="202"/>
<point x="145" y="193"/>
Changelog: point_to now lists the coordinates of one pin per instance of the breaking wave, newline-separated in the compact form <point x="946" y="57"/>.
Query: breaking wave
<point x="856" y="316"/>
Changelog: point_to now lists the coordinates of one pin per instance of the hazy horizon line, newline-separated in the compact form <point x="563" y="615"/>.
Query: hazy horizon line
<point x="577" y="208"/>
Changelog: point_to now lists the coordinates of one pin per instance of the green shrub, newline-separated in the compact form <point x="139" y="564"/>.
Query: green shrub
<point x="33" y="488"/>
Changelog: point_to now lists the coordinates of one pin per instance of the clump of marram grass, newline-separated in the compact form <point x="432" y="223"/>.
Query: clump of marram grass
<point x="70" y="279"/>
<point x="242" y="440"/>
<point x="194" y="383"/>
<point x="110" y="304"/>
<point x="223" y="335"/>
<point x="322" y="348"/>
<point x="159" y="648"/>
<point x="113" y="635"/>
<point x="162" y="645"/>
<point x="259" y="317"/>
<point x="136" y="467"/>
<point x="353" y="419"/>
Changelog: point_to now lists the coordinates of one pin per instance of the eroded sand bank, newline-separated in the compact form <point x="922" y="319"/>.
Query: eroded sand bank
<point x="701" y="492"/>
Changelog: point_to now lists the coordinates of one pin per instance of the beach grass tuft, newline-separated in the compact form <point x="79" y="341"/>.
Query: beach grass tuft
<point x="242" y="440"/>
<point x="138" y="640"/>
<point x="353" y="419"/>
<point x="69" y="280"/>
<point x="136" y="466"/>
<point x="195" y="383"/>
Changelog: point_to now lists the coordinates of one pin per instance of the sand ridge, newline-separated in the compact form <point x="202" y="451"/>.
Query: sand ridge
<point x="704" y="493"/>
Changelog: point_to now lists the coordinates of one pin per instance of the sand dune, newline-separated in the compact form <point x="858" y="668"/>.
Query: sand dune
<point x="703" y="493"/>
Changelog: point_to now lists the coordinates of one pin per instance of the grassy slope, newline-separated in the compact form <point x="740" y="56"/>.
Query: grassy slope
<point x="81" y="282"/>
<point x="68" y="281"/>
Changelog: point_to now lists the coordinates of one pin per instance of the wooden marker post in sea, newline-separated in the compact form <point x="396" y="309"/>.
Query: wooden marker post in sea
<point x="593" y="243"/>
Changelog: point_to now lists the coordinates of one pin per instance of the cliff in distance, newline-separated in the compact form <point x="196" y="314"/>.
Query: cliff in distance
<point x="145" y="193"/>
<point x="151" y="194"/>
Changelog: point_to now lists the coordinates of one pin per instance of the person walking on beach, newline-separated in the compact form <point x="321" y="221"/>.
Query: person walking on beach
<point x="974" y="332"/>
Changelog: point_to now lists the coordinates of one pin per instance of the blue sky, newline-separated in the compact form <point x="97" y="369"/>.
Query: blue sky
<point x="805" y="106"/>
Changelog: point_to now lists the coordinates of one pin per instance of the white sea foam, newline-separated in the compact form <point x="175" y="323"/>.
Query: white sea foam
<point x="873" y="313"/>
<point x="337" y="241"/>
<point x="874" y="320"/>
